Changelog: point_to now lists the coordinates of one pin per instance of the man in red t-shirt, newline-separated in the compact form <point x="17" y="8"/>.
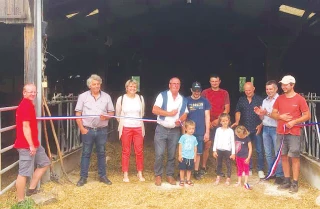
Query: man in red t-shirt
<point x="290" y="109"/>
<point x="220" y="103"/>
<point x="31" y="153"/>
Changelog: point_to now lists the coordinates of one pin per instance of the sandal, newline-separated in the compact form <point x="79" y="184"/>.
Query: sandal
<point x="140" y="177"/>
<point x="189" y="182"/>
<point x="228" y="181"/>
<point x="181" y="183"/>
<point x="217" y="181"/>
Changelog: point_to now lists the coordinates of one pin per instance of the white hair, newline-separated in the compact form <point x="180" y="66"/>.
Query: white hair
<point x="93" y="77"/>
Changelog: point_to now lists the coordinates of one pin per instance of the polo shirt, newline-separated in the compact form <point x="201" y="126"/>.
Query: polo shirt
<point x="268" y="105"/>
<point x="26" y="112"/>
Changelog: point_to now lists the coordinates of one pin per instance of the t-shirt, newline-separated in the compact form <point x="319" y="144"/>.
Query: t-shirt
<point x="131" y="107"/>
<point x="197" y="108"/>
<point x="26" y="112"/>
<point x="295" y="106"/>
<point x="242" y="149"/>
<point x="224" y="140"/>
<point x="189" y="142"/>
<point x="218" y="99"/>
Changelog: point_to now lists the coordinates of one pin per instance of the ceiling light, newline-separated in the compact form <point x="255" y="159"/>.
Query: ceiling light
<point x="293" y="11"/>
<point x="94" y="12"/>
<point x="71" y="15"/>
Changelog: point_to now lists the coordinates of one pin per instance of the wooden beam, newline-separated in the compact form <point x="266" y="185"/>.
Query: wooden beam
<point x="29" y="54"/>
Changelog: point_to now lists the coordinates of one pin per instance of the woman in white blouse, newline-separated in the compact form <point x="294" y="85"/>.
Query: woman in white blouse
<point x="131" y="131"/>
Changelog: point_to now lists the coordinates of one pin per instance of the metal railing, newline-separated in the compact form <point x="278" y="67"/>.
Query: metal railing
<point x="311" y="145"/>
<point x="3" y="150"/>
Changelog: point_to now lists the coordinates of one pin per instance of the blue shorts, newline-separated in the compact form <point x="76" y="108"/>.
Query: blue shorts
<point x="200" y="144"/>
<point x="186" y="164"/>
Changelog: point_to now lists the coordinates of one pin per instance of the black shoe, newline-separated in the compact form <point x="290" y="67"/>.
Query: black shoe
<point x="31" y="192"/>
<point x="279" y="180"/>
<point x="285" y="185"/>
<point x="105" y="180"/>
<point x="203" y="171"/>
<point x="197" y="175"/>
<point x="293" y="188"/>
<point x="81" y="182"/>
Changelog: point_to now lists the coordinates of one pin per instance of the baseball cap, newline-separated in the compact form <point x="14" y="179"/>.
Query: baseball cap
<point x="196" y="86"/>
<point x="288" y="79"/>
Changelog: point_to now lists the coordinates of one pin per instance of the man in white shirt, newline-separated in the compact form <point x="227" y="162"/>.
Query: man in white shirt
<point x="269" y="133"/>
<point x="171" y="110"/>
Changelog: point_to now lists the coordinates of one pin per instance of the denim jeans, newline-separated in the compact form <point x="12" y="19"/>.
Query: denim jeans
<point x="165" y="137"/>
<point x="271" y="148"/>
<point x="99" y="138"/>
<point x="257" y="141"/>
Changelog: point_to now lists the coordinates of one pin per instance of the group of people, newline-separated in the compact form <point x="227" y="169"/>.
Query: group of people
<point x="193" y="124"/>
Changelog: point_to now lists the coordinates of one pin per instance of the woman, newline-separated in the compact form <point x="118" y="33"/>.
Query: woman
<point x="131" y="131"/>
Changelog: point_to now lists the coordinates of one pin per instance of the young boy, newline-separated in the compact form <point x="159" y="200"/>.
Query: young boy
<point x="187" y="151"/>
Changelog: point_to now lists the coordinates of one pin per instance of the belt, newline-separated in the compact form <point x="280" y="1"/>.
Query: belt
<point x="96" y="128"/>
<point x="270" y="126"/>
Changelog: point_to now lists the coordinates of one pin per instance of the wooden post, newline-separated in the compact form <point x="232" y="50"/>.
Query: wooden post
<point x="29" y="54"/>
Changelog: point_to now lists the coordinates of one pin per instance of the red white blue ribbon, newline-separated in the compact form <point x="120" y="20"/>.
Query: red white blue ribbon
<point x="274" y="166"/>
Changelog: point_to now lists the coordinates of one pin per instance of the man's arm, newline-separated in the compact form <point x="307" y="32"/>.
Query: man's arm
<point x="158" y="111"/>
<point x="226" y="108"/>
<point x="83" y="130"/>
<point x="207" y="123"/>
<point x="27" y="134"/>
<point x="237" y="119"/>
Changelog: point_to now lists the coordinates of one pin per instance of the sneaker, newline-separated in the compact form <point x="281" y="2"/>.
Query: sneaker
<point x="261" y="174"/>
<point x="203" y="171"/>
<point x="250" y="173"/>
<point x="197" y="175"/>
<point x="247" y="186"/>
<point x="279" y="180"/>
<point x="293" y="188"/>
<point x="285" y="185"/>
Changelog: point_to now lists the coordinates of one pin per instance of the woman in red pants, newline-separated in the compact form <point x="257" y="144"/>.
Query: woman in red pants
<point x="131" y="131"/>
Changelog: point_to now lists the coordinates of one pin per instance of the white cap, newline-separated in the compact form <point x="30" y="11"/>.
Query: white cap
<point x="288" y="79"/>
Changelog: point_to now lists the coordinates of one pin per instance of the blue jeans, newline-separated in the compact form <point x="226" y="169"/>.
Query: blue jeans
<point x="271" y="148"/>
<point x="99" y="138"/>
<point x="257" y="141"/>
<point x="165" y="137"/>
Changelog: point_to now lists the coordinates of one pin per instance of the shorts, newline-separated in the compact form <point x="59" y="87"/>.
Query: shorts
<point x="186" y="164"/>
<point x="200" y="144"/>
<point x="212" y="133"/>
<point x="291" y="144"/>
<point x="27" y="163"/>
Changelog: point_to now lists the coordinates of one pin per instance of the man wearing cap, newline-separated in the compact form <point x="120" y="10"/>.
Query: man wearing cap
<point x="290" y="109"/>
<point x="220" y="103"/>
<point x="199" y="112"/>
<point x="171" y="110"/>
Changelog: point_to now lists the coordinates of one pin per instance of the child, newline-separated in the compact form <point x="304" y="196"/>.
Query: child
<point x="187" y="151"/>
<point x="243" y="154"/>
<point x="223" y="146"/>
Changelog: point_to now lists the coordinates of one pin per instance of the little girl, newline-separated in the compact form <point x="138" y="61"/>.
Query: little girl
<point x="243" y="154"/>
<point x="224" y="147"/>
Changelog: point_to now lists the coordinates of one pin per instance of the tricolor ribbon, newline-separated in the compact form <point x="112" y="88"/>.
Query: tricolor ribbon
<point x="274" y="166"/>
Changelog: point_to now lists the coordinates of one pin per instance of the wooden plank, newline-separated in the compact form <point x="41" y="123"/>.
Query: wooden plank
<point x="29" y="54"/>
<point x="15" y="11"/>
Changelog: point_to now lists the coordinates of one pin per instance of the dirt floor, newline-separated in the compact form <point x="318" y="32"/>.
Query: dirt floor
<point x="203" y="194"/>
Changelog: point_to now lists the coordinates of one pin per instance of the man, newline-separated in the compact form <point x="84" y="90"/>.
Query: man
<point x="220" y="103"/>
<point x="31" y="153"/>
<point x="269" y="128"/>
<point x="199" y="112"/>
<point x="290" y="109"/>
<point x="171" y="110"/>
<point x="246" y="116"/>
<point x="94" y="130"/>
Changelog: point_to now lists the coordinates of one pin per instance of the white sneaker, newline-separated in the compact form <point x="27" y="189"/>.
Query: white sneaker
<point x="261" y="174"/>
<point x="250" y="173"/>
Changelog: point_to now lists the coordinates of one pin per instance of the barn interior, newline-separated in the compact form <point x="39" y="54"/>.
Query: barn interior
<point x="159" y="39"/>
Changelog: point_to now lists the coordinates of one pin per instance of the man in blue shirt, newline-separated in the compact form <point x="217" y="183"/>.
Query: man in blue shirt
<point x="246" y="116"/>
<point x="199" y="112"/>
